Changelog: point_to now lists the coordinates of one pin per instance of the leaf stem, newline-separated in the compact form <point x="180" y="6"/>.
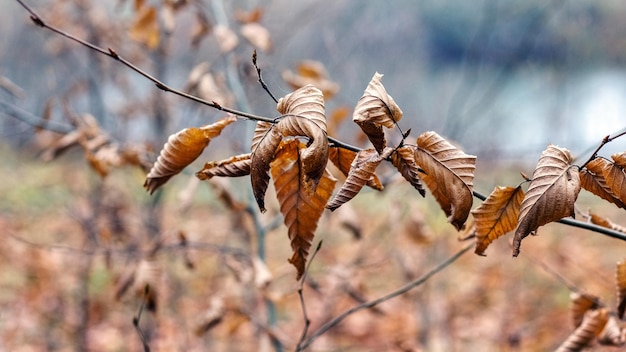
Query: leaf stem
<point x="605" y="140"/>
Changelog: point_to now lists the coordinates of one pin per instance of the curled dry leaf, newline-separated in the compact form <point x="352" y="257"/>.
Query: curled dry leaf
<point x="619" y="159"/>
<point x="304" y="116"/>
<point x="615" y="177"/>
<point x="604" y="222"/>
<point x="301" y="209"/>
<point x="620" y="278"/>
<point x="236" y="166"/>
<point x="182" y="149"/>
<point x="589" y="329"/>
<point x="342" y="159"/>
<point x="264" y="144"/>
<point x="613" y="333"/>
<point x="375" y="109"/>
<point x="551" y="194"/>
<point x="403" y="159"/>
<point x="361" y="171"/>
<point x="592" y="179"/>
<point x="449" y="174"/>
<point x="497" y="215"/>
<point x="581" y="303"/>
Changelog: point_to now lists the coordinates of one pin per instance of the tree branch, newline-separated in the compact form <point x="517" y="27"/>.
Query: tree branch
<point x="114" y="55"/>
<point x="35" y="121"/>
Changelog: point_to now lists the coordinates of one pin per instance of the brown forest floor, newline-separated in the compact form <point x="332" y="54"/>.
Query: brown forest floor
<point x="59" y="289"/>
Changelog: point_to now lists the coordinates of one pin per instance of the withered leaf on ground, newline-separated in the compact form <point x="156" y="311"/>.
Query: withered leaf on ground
<point x="403" y="159"/>
<point x="448" y="173"/>
<point x="375" y="109"/>
<point x="497" y="215"/>
<point x="551" y="194"/>
<point x="362" y="168"/>
<point x="181" y="149"/>
<point x="301" y="208"/>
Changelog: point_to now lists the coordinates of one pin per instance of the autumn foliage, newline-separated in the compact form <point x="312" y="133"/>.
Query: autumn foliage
<point x="295" y="154"/>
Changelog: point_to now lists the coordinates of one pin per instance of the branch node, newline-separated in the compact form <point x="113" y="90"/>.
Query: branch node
<point x="37" y="21"/>
<point x="216" y="105"/>
<point x="114" y="54"/>
<point x="161" y="86"/>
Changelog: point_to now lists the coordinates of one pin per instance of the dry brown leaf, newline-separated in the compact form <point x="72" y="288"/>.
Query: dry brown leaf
<point x="551" y="194"/>
<point x="449" y="174"/>
<point x="264" y="144"/>
<point x="342" y="159"/>
<point x="375" y="109"/>
<point x="613" y="333"/>
<point x="226" y="38"/>
<point x="620" y="279"/>
<point x="615" y="177"/>
<point x="236" y="166"/>
<point x="257" y="35"/>
<point x="589" y="329"/>
<point x="497" y="215"/>
<point x="304" y="116"/>
<point x="145" y="28"/>
<point x="311" y="72"/>
<point x="300" y="208"/>
<point x="182" y="149"/>
<point x="403" y="159"/>
<point x="307" y="102"/>
<point x="362" y="168"/>
<point x="619" y="159"/>
<point x="592" y="179"/>
<point x="581" y="303"/>
<point x="104" y="159"/>
<point x="604" y="222"/>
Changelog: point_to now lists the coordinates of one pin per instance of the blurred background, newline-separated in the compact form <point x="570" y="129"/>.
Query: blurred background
<point x="500" y="78"/>
<point x="525" y="74"/>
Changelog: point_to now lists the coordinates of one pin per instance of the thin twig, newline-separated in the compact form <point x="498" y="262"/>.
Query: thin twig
<point x="114" y="55"/>
<point x="605" y="140"/>
<point x="402" y="290"/>
<point x="305" y="316"/>
<point x="576" y="223"/>
<point x="136" y="319"/>
<point x="258" y="73"/>
<point x="35" y="121"/>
